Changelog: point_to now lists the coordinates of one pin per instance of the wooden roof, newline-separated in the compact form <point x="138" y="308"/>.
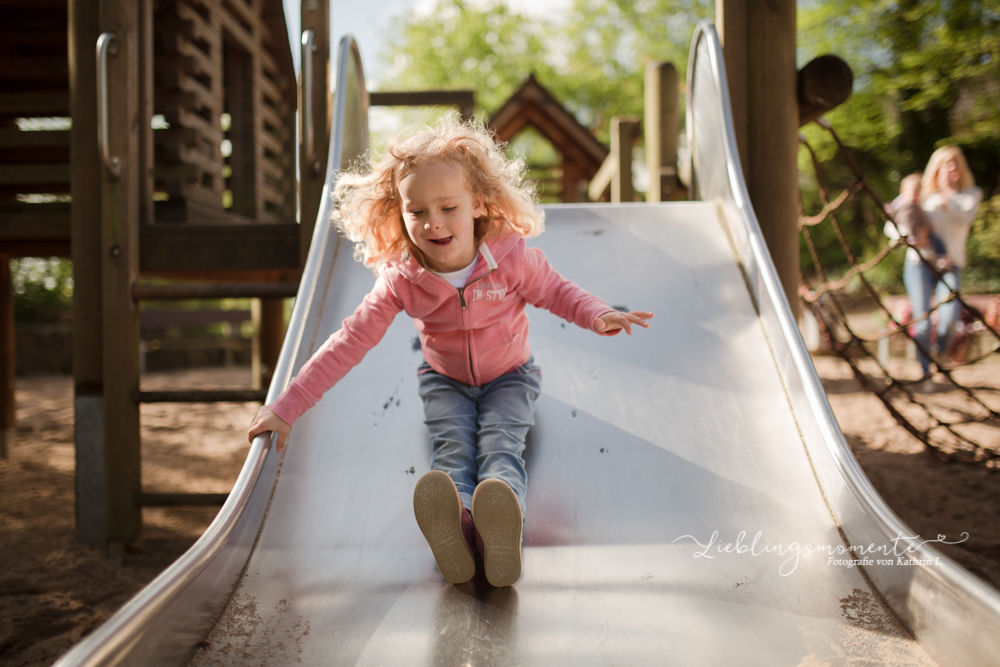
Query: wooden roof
<point x="533" y="105"/>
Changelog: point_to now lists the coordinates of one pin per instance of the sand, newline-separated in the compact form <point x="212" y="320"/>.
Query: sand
<point x="53" y="589"/>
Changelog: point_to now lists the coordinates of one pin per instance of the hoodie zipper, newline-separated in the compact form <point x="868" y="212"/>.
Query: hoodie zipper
<point x="465" y="307"/>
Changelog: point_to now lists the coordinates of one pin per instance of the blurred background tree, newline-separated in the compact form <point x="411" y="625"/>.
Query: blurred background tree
<point x="927" y="73"/>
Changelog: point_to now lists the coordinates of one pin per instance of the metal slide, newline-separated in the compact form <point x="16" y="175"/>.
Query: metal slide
<point x="691" y="499"/>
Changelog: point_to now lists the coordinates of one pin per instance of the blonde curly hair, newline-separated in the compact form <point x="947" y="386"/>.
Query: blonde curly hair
<point x="368" y="209"/>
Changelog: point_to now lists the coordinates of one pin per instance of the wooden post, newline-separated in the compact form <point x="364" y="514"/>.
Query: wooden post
<point x="762" y="84"/>
<point x="660" y="126"/>
<point x="312" y="162"/>
<point x="8" y="360"/>
<point x="731" y="24"/>
<point x="623" y="132"/>
<point x="268" y="317"/>
<point x="85" y="223"/>
<point x="105" y="252"/>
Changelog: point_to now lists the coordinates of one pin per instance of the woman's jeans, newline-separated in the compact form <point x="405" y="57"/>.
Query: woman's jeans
<point x="920" y="284"/>
<point x="478" y="433"/>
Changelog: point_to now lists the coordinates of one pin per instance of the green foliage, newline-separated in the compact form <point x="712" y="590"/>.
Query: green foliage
<point x="983" y="254"/>
<point x="591" y="61"/>
<point x="487" y="47"/>
<point x="43" y="289"/>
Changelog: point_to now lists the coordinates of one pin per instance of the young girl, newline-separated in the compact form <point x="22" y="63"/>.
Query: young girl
<point x="442" y="218"/>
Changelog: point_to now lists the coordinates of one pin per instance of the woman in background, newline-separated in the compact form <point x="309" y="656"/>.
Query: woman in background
<point x="950" y="198"/>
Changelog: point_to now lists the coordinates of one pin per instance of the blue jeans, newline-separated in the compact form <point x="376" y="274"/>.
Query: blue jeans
<point x="478" y="433"/>
<point x="920" y="284"/>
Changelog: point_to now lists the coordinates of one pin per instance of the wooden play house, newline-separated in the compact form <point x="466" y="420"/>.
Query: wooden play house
<point x="153" y="140"/>
<point x="580" y="153"/>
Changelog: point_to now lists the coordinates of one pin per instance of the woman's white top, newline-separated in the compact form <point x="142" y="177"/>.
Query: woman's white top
<point x="460" y="277"/>
<point x="951" y="219"/>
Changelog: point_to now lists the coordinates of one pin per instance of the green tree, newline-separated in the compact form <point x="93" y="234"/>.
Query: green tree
<point x="591" y="60"/>
<point x="488" y="47"/>
<point x="604" y="45"/>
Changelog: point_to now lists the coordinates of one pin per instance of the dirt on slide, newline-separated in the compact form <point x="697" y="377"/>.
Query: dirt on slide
<point x="53" y="589"/>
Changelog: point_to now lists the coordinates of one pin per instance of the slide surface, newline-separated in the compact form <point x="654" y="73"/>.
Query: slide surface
<point x="646" y="450"/>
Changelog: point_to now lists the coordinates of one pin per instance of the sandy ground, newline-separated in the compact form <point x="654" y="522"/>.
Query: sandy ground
<point x="53" y="589"/>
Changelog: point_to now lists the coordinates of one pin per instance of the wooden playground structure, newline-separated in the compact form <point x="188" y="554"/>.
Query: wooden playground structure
<point x="176" y="160"/>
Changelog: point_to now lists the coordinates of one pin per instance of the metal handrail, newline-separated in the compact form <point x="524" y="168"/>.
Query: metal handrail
<point x="107" y="45"/>
<point x="309" y="49"/>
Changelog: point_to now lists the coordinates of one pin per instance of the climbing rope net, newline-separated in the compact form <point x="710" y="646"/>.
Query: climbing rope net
<point x="961" y="424"/>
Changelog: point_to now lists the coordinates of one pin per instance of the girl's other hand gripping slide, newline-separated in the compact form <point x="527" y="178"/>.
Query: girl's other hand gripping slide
<point x="265" y="421"/>
<point x="614" y="320"/>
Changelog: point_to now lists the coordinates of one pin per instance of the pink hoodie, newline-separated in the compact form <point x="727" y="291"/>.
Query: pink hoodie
<point x="473" y="335"/>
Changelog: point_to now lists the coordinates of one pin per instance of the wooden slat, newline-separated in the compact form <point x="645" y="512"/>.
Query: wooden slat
<point x="31" y="68"/>
<point x="272" y="118"/>
<point x="204" y="396"/>
<point x="270" y="142"/>
<point x="33" y="174"/>
<point x="195" y="27"/>
<point x="457" y="98"/>
<point x="35" y="104"/>
<point x="270" y="193"/>
<point x="182" y="292"/>
<point x="36" y="222"/>
<point x="182" y="499"/>
<point x="248" y="15"/>
<point x="246" y="39"/>
<point x="15" y="138"/>
<point x="219" y="247"/>
<point x="184" y="118"/>
<point x="269" y="168"/>
<point x="269" y="89"/>
<point x="206" y="163"/>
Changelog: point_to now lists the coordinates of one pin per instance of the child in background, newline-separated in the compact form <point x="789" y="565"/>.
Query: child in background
<point x="924" y="239"/>
<point x="442" y="219"/>
<point x="912" y="219"/>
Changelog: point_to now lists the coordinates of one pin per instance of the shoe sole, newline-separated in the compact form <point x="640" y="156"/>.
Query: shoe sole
<point x="497" y="516"/>
<point x="438" y="509"/>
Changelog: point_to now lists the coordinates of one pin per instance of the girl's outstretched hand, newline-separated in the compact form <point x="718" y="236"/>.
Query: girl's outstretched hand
<point x="265" y="421"/>
<point x="614" y="319"/>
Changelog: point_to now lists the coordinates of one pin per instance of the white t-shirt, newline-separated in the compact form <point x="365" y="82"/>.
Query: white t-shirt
<point x="952" y="218"/>
<point x="460" y="277"/>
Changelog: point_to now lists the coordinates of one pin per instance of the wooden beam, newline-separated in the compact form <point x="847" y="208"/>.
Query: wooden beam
<point x="182" y="499"/>
<point x="120" y="212"/>
<point x="15" y="138"/>
<point x="88" y="320"/>
<point x="465" y="100"/>
<point x="19" y="221"/>
<point x="34" y="104"/>
<point x="203" y="396"/>
<point x="207" y="247"/>
<point x="33" y="174"/>
<point x="273" y="291"/>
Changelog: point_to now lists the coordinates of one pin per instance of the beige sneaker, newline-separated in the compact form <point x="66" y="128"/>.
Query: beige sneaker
<point x="497" y="515"/>
<point x="438" y="509"/>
